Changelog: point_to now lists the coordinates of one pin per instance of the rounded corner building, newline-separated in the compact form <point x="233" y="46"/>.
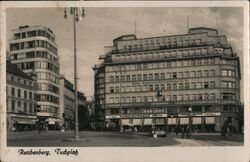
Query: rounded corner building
<point x="178" y="80"/>
<point x="33" y="50"/>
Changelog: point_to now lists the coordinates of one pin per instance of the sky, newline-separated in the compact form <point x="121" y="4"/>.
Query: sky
<point x="101" y="25"/>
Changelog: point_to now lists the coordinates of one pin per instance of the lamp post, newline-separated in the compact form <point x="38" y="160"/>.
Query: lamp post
<point x="190" y="120"/>
<point x="74" y="12"/>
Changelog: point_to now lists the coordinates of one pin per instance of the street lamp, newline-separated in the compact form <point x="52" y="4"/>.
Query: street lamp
<point x="190" y="120"/>
<point x="74" y="12"/>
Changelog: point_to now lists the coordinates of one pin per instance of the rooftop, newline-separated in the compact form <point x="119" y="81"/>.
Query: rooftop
<point x="13" y="69"/>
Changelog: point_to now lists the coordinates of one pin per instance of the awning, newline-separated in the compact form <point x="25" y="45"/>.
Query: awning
<point x="171" y="121"/>
<point x="52" y="120"/>
<point x="184" y="121"/>
<point x="24" y="121"/>
<point x="210" y="120"/>
<point x="160" y="121"/>
<point x="147" y="122"/>
<point x="137" y="121"/>
<point x="197" y="121"/>
<point x="126" y="122"/>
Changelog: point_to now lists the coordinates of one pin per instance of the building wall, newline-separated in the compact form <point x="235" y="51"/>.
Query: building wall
<point x="21" y="103"/>
<point x="34" y="48"/>
<point x="197" y="70"/>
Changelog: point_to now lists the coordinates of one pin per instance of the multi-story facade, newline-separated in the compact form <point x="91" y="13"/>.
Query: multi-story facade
<point x="21" y="103"/>
<point x="175" y="80"/>
<point x="67" y="103"/>
<point x="33" y="48"/>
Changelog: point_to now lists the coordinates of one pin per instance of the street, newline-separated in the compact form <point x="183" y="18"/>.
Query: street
<point x="117" y="139"/>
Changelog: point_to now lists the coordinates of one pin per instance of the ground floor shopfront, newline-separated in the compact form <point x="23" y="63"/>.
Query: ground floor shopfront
<point x="207" y="122"/>
<point x="21" y="122"/>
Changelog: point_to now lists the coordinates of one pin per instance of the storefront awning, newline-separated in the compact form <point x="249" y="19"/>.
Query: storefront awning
<point x="171" y="121"/>
<point x="147" y="122"/>
<point x="184" y="121"/>
<point x="210" y="120"/>
<point x="24" y="121"/>
<point x="197" y="120"/>
<point x="160" y="121"/>
<point x="137" y="121"/>
<point x="126" y="122"/>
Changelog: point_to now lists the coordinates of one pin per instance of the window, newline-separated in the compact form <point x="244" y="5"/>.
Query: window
<point x="122" y="78"/>
<point x="150" y="76"/>
<point x="122" y="99"/>
<point x="13" y="105"/>
<point x="25" y="107"/>
<point x="116" y="89"/>
<point x="116" y="78"/>
<point x="205" y="73"/>
<point x="174" y="97"/>
<point x="173" y="64"/>
<point x="127" y="88"/>
<point x="186" y="85"/>
<point x="211" y="61"/>
<point x="198" y="85"/>
<point x="111" y="100"/>
<point x="212" y="96"/>
<point x="156" y="87"/>
<point x="133" y="89"/>
<point x="199" y="96"/>
<point x="111" y="78"/>
<point x="122" y="89"/>
<point x="186" y="74"/>
<point x="174" y="75"/>
<point x="138" y="99"/>
<point x="138" y="77"/>
<point x="192" y="86"/>
<point x="144" y="76"/>
<point x="212" y="84"/>
<point x="179" y="64"/>
<point x="212" y="73"/>
<point x="156" y="76"/>
<point x="133" y="77"/>
<point x="180" y="85"/>
<point x="205" y="84"/>
<point x="174" y="86"/>
<point x="19" y="93"/>
<point x="117" y="100"/>
<point x="206" y="97"/>
<point x="205" y="62"/>
<point x="162" y="87"/>
<point x="30" y="108"/>
<point x="180" y="75"/>
<point x="30" y="97"/>
<point x="144" y="87"/>
<point x="224" y="72"/>
<point x="199" y="74"/>
<point x="13" y="91"/>
<point x="185" y="63"/>
<point x="168" y="75"/>
<point x="192" y="74"/>
<point x="186" y="97"/>
<point x="128" y="77"/>
<point x="168" y="86"/>
<point x="180" y="98"/>
<point x="150" y="87"/>
<point x="145" y="98"/>
<point x="162" y="76"/>
<point x="138" y="88"/>
<point x="127" y="99"/>
<point x="193" y="97"/>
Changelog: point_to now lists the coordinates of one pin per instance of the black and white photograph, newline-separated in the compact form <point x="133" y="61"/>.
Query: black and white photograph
<point x="126" y="78"/>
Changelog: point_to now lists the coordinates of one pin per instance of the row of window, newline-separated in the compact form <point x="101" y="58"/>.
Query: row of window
<point x="166" y="54"/>
<point x="24" y="107"/>
<point x="161" y="65"/>
<point x="38" y="65"/>
<point x="47" y="76"/>
<point x="33" y="33"/>
<point x="21" y="81"/>
<point x="22" y="94"/>
<point x="162" y="45"/>
<point x="181" y="97"/>
<point x="48" y="109"/>
<point x="169" y="75"/>
<point x="33" y="54"/>
<point x="48" y="98"/>
<point x="173" y="86"/>
<point x="33" y="44"/>
<point x="136" y="111"/>
<point x="47" y="87"/>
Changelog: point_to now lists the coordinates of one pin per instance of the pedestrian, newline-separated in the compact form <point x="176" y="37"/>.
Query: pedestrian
<point x="182" y="131"/>
<point x="187" y="132"/>
<point x="177" y="131"/>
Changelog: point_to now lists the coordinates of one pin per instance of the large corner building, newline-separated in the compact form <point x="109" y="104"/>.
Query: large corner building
<point x="174" y="80"/>
<point x="33" y="49"/>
